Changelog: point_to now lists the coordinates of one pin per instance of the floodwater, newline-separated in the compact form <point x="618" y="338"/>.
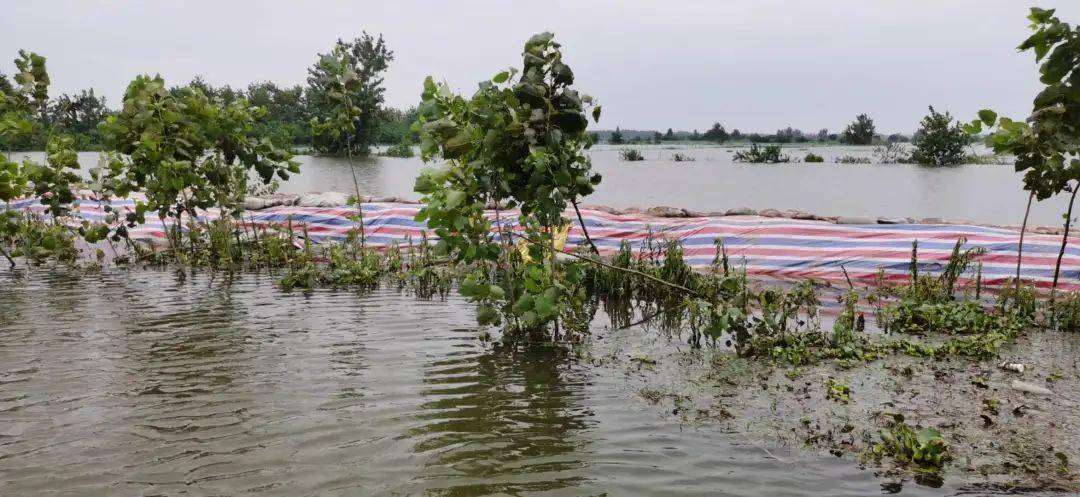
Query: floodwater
<point x="141" y="383"/>
<point x="713" y="182"/>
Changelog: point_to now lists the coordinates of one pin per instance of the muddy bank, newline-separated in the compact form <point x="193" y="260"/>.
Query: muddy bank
<point x="1001" y="439"/>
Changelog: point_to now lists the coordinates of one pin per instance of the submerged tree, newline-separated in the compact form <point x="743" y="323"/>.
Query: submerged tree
<point x="1047" y="145"/>
<point x="349" y="76"/>
<point x="939" y="141"/>
<point x="859" y="132"/>
<point x="519" y="141"/>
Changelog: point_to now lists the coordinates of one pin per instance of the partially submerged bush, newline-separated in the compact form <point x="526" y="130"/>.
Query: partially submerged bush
<point x="680" y="157"/>
<point x="851" y="159"/>
<point x="939" y="141"/>
<point x="768" y="154"/>
<point x="812" y="157"/>
<point x="630" y="154"/>
<point x="892" y="153"/>
<point x="401" y="150"/>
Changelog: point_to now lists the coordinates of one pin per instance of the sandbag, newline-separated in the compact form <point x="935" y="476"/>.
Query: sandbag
<point x="324" y="199"/>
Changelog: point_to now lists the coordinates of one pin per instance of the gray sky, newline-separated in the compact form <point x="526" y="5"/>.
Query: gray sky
<point x="756" y="65"/>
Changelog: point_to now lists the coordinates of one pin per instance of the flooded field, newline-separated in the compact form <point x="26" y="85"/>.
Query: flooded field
<point x="713" y="182"/>
<point x="143" y="383"/>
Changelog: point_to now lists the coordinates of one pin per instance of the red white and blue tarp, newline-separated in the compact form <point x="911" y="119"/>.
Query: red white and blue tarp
<point x="768" y="247"/>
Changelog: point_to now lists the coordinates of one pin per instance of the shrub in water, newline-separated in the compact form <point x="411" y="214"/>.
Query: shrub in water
<point x="767" y="154"/>
<point x="630" y="154"/>
<point x="812" y="157"/>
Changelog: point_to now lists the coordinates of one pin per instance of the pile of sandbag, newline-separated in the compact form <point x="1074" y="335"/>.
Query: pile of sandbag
<point x="324" y="199"/>
<point x="259" y="202"/>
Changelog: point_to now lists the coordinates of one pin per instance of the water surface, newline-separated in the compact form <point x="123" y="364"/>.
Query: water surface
<point x="139" y="383"/>
<point x="713" y="182"/>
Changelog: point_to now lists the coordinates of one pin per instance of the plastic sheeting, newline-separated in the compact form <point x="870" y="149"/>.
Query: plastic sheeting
<point x="767" y="247"/>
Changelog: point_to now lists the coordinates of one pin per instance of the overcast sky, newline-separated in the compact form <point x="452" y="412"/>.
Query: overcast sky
<point x="756" y="65"/>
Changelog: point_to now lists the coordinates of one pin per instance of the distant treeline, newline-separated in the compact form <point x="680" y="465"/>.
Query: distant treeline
<point x="860" y="132"/>
<point x="288" y="111"/>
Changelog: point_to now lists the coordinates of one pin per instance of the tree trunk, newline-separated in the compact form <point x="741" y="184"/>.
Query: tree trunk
<point x="1064" y="241"/>
<point x="1020" y="249"/>
<point x="584" y="229"/>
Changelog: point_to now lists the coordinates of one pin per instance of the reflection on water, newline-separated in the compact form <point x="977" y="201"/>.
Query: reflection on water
<point x="137" y="383"/>
<point x="713" y="182"/>
<point x="503" y="423"/>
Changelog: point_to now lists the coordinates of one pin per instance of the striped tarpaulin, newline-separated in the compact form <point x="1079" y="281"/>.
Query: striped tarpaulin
<point x="768" y="247"/>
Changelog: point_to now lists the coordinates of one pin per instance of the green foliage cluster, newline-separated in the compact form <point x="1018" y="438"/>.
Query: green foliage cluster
<point x="401" y="150"/>
<point x="939" y="141"/>
<point x="768" y="154"/>
<point x="519" y="141"/>
<point x="925" y="448"/>
<point x="1047" y="144"/>
<point x="859" y="132"/>
<point x="812" y="157"/>
<point x="837" y="391"/>
<point x="630" y="155"/>
<point x="616" y="137"/>
<point x="345" y="93"/>
<point x="185" y="152"/>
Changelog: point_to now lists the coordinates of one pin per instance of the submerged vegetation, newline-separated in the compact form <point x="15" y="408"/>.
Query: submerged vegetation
<point x="768" y="154"/>
<point x="630" y="155"/>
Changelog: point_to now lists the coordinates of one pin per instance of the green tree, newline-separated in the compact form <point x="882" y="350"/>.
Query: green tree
<point x="616" y="137"/>
<point x="286" y="122"/>
<point x="185" y="151"/>
<point x="716" y="134"/>
<point x="78" y="115"/>
<point x="670" y="135"/>
<point x="939" y="141"/>
<point x="859" y="132"/>
<point x="1047" y="144"/>
<point x="519" y="141"/>
<point x="351" y="72"/>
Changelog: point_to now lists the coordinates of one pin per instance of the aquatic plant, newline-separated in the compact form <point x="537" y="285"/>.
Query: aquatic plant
<point x="630" y="154"/>
<point x="812" y="157"/>
<point x="681" y="157"/>
<point x="770" y="154"/>
<point x="837" y="391"/>
<point x="925" y="448"/>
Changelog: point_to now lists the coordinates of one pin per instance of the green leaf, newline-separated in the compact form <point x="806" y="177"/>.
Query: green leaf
<point x="988" y="116"/>
<point x="501" y="77"/>
<point x="454" y="198"/>
<point x="596" y="114"/>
